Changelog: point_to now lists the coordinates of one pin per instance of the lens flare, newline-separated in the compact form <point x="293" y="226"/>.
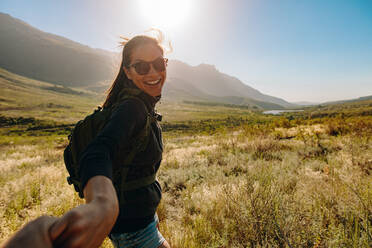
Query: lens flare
<point x="165" y="14"/>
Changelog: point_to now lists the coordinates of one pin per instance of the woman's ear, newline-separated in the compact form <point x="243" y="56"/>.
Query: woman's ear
<point x="128" y="73"/>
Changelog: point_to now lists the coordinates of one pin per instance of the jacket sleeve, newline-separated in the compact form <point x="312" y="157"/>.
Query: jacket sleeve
<point x="127" y="120"/>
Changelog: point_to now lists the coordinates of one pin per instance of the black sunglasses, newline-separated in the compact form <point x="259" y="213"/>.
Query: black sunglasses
<point x="143" y="67"/>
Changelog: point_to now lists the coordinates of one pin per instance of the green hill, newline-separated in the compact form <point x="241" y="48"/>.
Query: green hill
<point x="21" y="96"/>
<point x="28" y="98"/>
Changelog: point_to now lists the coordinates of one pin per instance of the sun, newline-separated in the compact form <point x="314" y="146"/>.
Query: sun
<point x="165" y="14"/>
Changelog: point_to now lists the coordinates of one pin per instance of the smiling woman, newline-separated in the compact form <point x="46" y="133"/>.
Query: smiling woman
<point x="165" y="14"/>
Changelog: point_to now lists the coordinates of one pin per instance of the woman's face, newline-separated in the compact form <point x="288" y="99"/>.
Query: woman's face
<point x="152" y="82"/>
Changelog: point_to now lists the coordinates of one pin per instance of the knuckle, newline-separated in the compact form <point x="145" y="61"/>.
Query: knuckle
<point x="79" y="227"/>
<point x="73" y="215"/>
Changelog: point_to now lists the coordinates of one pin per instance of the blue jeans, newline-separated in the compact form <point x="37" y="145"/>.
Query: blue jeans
<point x="148" y="237"/>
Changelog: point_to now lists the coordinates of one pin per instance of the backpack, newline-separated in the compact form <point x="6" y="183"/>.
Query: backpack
<point x="87" y="129"/>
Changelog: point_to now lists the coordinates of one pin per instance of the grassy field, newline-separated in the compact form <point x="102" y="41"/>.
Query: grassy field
<point x="255" y="186"/>
<point x="230" y="177"/>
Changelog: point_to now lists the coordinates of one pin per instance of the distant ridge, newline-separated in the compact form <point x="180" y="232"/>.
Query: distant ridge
<point x="28" y="51"/>
<point x="363" y="98"/>
<point x="33" y="53"/>
<point x="304" y="103"/>
<point x="206" y="81"/>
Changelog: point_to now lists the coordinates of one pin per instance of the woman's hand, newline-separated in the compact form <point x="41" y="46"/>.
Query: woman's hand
<point x="88" y="225"/>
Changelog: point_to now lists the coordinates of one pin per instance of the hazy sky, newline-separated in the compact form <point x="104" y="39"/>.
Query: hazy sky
<point x="299" y="50"/>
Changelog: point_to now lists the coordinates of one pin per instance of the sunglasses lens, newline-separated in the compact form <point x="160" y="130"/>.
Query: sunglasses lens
<point x="159" y="64"/>
<point x="142" y="68"/>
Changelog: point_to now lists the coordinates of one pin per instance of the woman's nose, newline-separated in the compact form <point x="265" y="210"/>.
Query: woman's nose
<point x="152" y="70"/>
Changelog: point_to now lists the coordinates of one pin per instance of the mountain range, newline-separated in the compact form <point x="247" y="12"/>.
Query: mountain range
<point x="30" y="52"/>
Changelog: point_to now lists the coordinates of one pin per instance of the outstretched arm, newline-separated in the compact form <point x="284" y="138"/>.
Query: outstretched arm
<point x="87" y="225"/>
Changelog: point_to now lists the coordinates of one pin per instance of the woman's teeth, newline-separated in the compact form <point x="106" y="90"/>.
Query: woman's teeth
<point x="153" y="82"/>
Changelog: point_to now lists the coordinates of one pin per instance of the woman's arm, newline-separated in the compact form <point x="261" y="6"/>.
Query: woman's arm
<point x="88" y="225"/>
<point x="125" y="122"/>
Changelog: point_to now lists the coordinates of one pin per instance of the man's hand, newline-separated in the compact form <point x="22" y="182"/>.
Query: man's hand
<point x="34" y="234"/>
<point x="88" y="225"/>
<point x="83" y="226"/>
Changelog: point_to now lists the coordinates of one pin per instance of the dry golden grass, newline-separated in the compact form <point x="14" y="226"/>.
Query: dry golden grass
<point x="231" y="188"/>
<point x="242" y="190"/>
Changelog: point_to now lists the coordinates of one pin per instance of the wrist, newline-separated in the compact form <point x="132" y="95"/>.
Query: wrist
<point x="100" y="193"/>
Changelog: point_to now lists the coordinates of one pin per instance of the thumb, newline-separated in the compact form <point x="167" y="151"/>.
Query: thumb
<point x="57" y="228"/>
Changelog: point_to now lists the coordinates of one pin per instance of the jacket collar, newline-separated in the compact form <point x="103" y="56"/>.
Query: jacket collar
<point x="150" y="101"/>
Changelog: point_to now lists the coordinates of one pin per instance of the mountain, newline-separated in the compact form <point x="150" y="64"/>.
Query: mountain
<point x="28" y="51"/>
<point x="363" y="98"/>
<point x="33" y="53"/>
<point x="214" y="84"/>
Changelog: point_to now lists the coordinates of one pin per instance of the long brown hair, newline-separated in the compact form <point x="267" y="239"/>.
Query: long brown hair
<point x="121" y="81"/>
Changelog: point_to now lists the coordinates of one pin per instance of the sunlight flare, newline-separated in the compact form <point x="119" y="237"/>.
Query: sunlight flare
<point x="166" y="14"/>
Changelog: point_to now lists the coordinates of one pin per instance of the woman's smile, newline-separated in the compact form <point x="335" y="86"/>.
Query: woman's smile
<point x="154" y="82"/>
<point x="151" y="79"/>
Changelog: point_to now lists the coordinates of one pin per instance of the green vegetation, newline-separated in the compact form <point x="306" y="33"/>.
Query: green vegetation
<point x="290" y="186"/>
<point x="24" y="97"/>
<point x="230" y="177"/>
<point x="214" y="104"/>
<point x="231" y="182"/>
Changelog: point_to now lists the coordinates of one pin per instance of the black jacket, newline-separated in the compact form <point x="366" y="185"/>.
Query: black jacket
<point x="106" y="151"/>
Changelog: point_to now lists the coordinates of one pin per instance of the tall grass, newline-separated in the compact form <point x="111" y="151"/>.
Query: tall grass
<point x="259" y="189"/>
<point x="233" y="182"/>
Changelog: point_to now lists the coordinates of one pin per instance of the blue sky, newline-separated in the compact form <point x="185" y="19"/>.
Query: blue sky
<point x="313" y="50"/>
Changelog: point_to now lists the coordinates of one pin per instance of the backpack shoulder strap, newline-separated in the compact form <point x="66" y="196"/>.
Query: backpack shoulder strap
<point x="131" y="93"/>
<point x="139" y="143"/>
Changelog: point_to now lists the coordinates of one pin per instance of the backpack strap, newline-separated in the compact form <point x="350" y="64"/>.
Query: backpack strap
<point x="127" y="93"/>
<point x="141" y="140"/>
<point x="139" y="144"/>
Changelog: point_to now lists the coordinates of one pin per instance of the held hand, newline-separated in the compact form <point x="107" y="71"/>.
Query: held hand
<point x="34" y="234"/>
<point x="83" y="226"/>
<point x="88" y="225"/>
